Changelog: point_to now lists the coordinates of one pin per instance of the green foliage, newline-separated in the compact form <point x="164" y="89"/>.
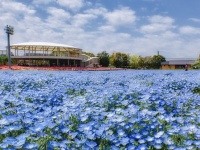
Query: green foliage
<point x="147" y="62"/>
<point x="120" y="60"/>
<point x="43" y="141"/>
<point x="89" y="54"/>
<point x="104" y="59"/>
<point x="72" y="91"/>
<point x="104" y="144"/>
<point x="156" y="61"/>
<point x="28" y="99"/>
<point x="196" y="65"/>
<point x="13" y="133"/>
<point x="125" y="60"/>
<point x="178" y="139"/>
<point x="3" y="60"/>
<point x="196" y="90"/>
<point x="74" y="122"/>
<point x="134" y="61"/>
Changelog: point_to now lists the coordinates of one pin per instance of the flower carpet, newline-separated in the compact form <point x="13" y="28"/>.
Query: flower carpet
<point x="99" y="110"/>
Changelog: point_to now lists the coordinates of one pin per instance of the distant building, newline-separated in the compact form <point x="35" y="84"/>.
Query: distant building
<point x="177" y="64"/>
<point x="3" y="53"/>
<point x="50" y="54"/>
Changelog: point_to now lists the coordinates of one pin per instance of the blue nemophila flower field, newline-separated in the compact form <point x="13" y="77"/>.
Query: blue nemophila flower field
<point x="117" y="110"/>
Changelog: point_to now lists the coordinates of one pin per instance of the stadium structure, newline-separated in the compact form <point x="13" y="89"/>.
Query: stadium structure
<point x="50" y="54"/>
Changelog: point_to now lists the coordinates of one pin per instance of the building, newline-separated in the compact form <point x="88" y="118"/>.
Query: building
<point x="177" y="64"/>
<point x="3" y="53"/>
<point x="50" y="54"/>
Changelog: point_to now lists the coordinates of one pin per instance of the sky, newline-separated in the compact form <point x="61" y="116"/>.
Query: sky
<point x="134" y="27"/>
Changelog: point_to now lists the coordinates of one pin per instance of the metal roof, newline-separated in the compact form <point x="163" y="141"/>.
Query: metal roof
<point x="40" y="45"/>
<point x="178" y="62"/>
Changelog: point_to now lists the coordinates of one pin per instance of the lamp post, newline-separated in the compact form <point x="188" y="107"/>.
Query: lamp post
<point x="10" y="31"/>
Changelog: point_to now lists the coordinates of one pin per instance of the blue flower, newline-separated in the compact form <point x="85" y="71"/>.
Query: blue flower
<point x="142" y="147"/>
<point x="124" y="141"/>
<point x="91" y="144"/>
<point x="10" y="141"/>
<point x="31" y="146"/>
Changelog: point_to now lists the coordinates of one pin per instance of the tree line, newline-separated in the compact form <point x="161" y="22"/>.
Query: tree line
<point x="123" y="60"/>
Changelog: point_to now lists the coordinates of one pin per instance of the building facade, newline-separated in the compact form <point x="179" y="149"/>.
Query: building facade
<point x="49" y="54"/>
<point x="177" y="64"/>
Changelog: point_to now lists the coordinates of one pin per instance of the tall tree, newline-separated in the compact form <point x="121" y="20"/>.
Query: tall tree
<point x="104" y="59"/>
<point x="156" y="61"/>
<point x="118" y="60"/>
<point x="141" y="62"/>
<point x="3" y="60"/>
<point x="134" y="61"/>
<point x="112" y="59"/>
<point x="125" y="60"/>
<point x="147" y="62"/>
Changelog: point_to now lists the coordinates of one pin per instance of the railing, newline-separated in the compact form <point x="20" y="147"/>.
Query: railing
<point x="46" y="55"/>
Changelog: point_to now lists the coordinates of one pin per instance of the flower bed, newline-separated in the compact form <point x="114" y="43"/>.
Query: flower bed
<point x="99" y="110"/>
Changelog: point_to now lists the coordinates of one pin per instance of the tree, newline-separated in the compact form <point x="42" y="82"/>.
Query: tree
<point x="156" y="61"/>
<point x="125" y="60"/>
<point x="3" y="60"/>
<point x="118" y="60"/>
<point x="196" y="65"/>
<point x="134" y="61"/>
<point x="141" y="62"/>
<point x="147" y="62"/>
<point x="89" y="54"/>
<point x="112" y="59"/>
<point x="104" y="59"/>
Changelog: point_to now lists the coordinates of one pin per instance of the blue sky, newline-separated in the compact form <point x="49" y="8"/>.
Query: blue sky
<point x="135" y="27"/>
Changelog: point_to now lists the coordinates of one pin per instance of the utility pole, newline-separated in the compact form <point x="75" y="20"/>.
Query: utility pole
<point x="10" y="31"/>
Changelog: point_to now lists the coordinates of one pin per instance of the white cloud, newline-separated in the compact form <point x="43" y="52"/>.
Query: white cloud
<point x="194" y="19"/>
<point x="14" y="13"/>
<point x="158" y="24"/>
<point x="82" y="19"/>
<point x="72" y="4"/>
<point x="121" y="17"/>
<point x="16" y="8"/>
<point x="106" y="28"/>
<point x="101" y="11"/>
<point x="189" y="30"/>
<point x="58" y="14"/>
<point x="161" y="19"/>
<point x="38" y="2"/>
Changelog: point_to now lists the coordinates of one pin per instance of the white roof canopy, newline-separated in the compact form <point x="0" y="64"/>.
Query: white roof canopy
<point x="38" y="46"/>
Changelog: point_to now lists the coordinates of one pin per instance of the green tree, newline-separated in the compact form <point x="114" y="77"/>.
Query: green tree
<point x="196" y="65"/>
<point x="134" y="61"/>
<point x="104" y="59"/>
<point x="156" y="61"/>
<point x="112" y="59"/>
<point x="118" y="60"/>
<point x="3" y="60"/>
<point x="125" y="60"/>
<point x="147" y="62"/>
<point x="89" y="54"/>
